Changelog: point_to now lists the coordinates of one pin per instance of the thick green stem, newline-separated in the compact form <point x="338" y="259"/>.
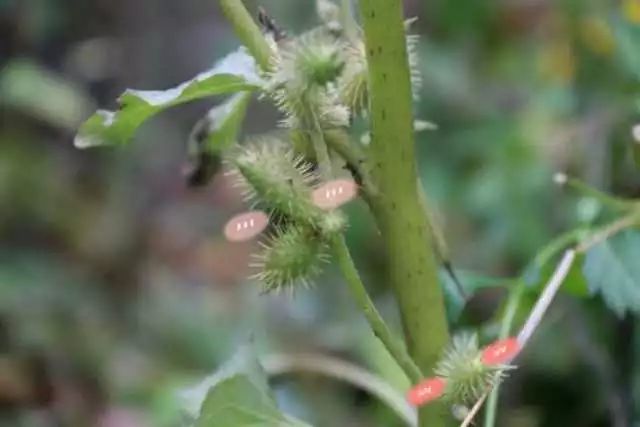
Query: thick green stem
<point x="377" y="324"/>
<point x="247" y="31"/>
<point x="403" y="224"/>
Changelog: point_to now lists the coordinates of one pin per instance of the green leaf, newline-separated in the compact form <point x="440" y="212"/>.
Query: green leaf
<point x="237" y="395"/>
<point x="236" y="72"/>
<point x="635" y="153"/>
<point x="214" y="133"/>
<point x="627" y="36"/>
<point x="470" y="283"/>
<point x="612" y="270"/>
<point x="40" y="93"/>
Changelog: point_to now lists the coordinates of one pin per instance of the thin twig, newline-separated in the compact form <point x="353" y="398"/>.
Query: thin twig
<point x="472" y="413"/>
<point x="248" y="31"/>
<point x="546" y="254"/>
<point x="608" y="231"/>
<point x="534" y="319"/>
<point x="279" y="364"/>
<point x="615" y="202"/>
<point x="550" y="291"/>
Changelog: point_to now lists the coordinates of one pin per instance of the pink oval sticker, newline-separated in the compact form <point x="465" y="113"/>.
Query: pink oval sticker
<point x="428" y="390"/>
<point x="334" y="193"/>
<point x="500" y="352"/>
<point x="245" y="226"/>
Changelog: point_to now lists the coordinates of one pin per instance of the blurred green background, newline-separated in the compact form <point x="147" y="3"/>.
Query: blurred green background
<point x="117" y="288"/>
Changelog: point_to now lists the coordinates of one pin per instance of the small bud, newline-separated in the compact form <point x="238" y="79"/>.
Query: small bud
<point x="635" y="132"/>
<point x="428" y="390"/>
<point x="422" y="125"/>
<point x="245" y="226"/>
<point x="334" y="194"/>
<point x="459" y="412"/>
<point x="560" y="178"/>
<point x="500" y="352"/>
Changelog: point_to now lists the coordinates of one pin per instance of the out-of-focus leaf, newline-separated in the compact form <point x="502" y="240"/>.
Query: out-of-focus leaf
<point x="213" y="134"/>
<point x="627" y="35"/>
<point x="635" y="153"/>
<point x="468" y="283"/>
<point x="237" y="395"/>
<point x="612" y="270"/>
<point x="236" y="72"/>
<point x="575" y="283"/>
<point x="37" y="92"/>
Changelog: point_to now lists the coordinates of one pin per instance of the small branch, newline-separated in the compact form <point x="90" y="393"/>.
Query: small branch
<point x="577" y="185"/>
<point x="472" y="413"/>
<point x="532" y="323"/>
<point x="548" y="252"/>
<point x="279" y="364"/>
<point x="608" y="231"/>
<point x="550" y="291"/>
<point x="338" y="141"/>
<point x="248" y="31"/>
<point x="557" y="245"/>
<point x="321" y="152"/>
<point x="377" y="324"/>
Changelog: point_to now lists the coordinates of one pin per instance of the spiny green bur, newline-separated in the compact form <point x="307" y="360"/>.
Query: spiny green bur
<point x="274" y="176"/>
<point x="292" y="256"/>
<point x="467" y="377"/>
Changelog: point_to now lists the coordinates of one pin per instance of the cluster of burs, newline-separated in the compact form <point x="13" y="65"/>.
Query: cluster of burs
<point x="318" y="80"/>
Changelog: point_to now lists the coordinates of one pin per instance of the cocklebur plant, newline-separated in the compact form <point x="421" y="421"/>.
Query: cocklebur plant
<point x="322" y="81"/>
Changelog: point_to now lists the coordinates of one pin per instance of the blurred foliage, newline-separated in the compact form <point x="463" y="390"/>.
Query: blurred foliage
<point x="117" y="290"/>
